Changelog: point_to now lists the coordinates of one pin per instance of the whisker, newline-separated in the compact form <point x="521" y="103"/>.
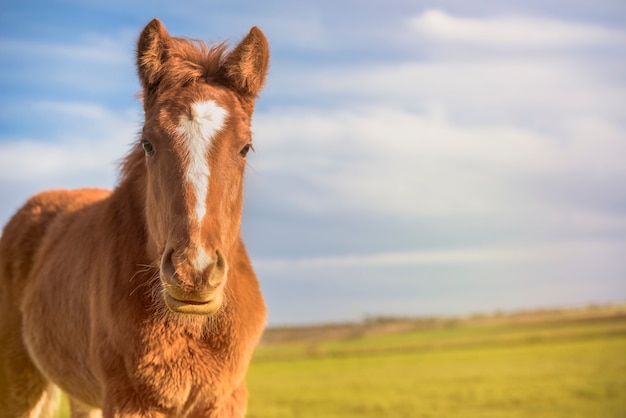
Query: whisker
<point x="144" y="269"/>
<point x="250" y="167"/>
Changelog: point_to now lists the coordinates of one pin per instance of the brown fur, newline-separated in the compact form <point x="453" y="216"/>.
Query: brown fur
<point x="83" y="273"/>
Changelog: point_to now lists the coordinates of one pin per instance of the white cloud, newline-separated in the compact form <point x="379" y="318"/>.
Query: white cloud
<point x="398" y="162"/>
<point x="90" y="65"/>
<point x="305" y="32"/>
<point x="92" y="139"/>
<point x="550" y="251"/>
<point x="96" y="49"/>
<point x="505" y="135"/>
<point x="386" y="132"/>
<point x="494" y="89"/>
<point x="513" y="31"/>
<point x="397" y="259"/>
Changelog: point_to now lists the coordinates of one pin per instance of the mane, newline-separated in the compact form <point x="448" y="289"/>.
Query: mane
<point x="130" y="167"/>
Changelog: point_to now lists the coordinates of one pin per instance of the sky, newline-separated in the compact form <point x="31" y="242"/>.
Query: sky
<point x="412" y="158"/>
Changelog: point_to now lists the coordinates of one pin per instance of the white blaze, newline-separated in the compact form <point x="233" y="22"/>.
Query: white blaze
<point x="202" y="260"/>
<point x="207" y="118"/>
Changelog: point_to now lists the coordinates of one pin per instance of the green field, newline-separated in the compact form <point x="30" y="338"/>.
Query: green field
<point x="568" y="363"/>
<point x="543" y="364"/>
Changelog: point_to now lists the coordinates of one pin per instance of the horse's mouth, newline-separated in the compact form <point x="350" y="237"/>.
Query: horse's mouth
<point x="193" y="307"/>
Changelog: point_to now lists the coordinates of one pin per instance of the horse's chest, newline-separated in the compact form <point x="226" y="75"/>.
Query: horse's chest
<point x="178" y="376"/>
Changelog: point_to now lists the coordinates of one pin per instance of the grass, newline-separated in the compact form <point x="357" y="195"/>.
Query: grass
<point x="548" y="364"/>
<point x="553" y="365"/>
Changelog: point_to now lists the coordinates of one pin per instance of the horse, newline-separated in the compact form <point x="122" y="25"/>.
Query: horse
<point x="142" y="301"/>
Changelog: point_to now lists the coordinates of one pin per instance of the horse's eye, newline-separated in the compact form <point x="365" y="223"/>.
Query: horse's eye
<point x="147" y="146"/>
<point x="245" y="149"/>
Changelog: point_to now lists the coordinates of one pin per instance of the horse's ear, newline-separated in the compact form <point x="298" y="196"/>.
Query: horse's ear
<point x="245" y="66"/>
<point x="152" y="50"/>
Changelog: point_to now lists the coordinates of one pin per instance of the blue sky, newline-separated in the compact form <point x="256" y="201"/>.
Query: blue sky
<point x="412" y="157"/>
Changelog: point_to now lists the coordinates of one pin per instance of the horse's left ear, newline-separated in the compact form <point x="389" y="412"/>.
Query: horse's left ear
<point x="245" y="66"/>
<point x="152" y="49"/>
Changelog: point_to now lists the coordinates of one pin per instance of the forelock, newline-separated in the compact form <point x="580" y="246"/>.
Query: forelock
<point x="189" y="61"/>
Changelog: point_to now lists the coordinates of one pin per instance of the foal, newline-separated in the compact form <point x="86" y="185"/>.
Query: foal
<point x="141" y="302"/>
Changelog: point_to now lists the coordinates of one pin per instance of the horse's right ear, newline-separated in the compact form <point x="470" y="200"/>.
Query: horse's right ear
<point x="152" y="52"/>
<point x="245" y="67"/>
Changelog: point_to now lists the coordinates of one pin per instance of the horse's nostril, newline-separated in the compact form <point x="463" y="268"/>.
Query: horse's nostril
<point x="219" y="269"/>
<point x="167" y="264"/>
<point x="219" y="259"/>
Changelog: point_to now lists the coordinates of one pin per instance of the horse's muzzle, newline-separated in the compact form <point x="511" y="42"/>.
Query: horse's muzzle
<point x="190" y="290"/>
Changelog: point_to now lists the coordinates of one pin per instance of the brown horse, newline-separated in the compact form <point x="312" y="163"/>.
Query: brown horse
<point x="141" y="302"/>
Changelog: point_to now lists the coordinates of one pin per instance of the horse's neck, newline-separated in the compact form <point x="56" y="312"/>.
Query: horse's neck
<point x="126" y="216"/>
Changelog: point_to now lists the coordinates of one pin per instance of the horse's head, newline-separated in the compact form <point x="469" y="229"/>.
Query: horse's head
<point x="198" y="104"/>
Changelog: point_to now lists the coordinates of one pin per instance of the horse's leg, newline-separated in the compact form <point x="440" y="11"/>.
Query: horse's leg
<point x="48" y="403"/>
<point x="81" y="411"/>
<point x="237" y="404"/>
<point x="24" y="392"/>
<point x="232" y="407"/>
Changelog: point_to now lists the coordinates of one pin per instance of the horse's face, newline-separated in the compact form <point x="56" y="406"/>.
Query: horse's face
<point x="195" y="138"/>
<point x="195" y="148"/>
